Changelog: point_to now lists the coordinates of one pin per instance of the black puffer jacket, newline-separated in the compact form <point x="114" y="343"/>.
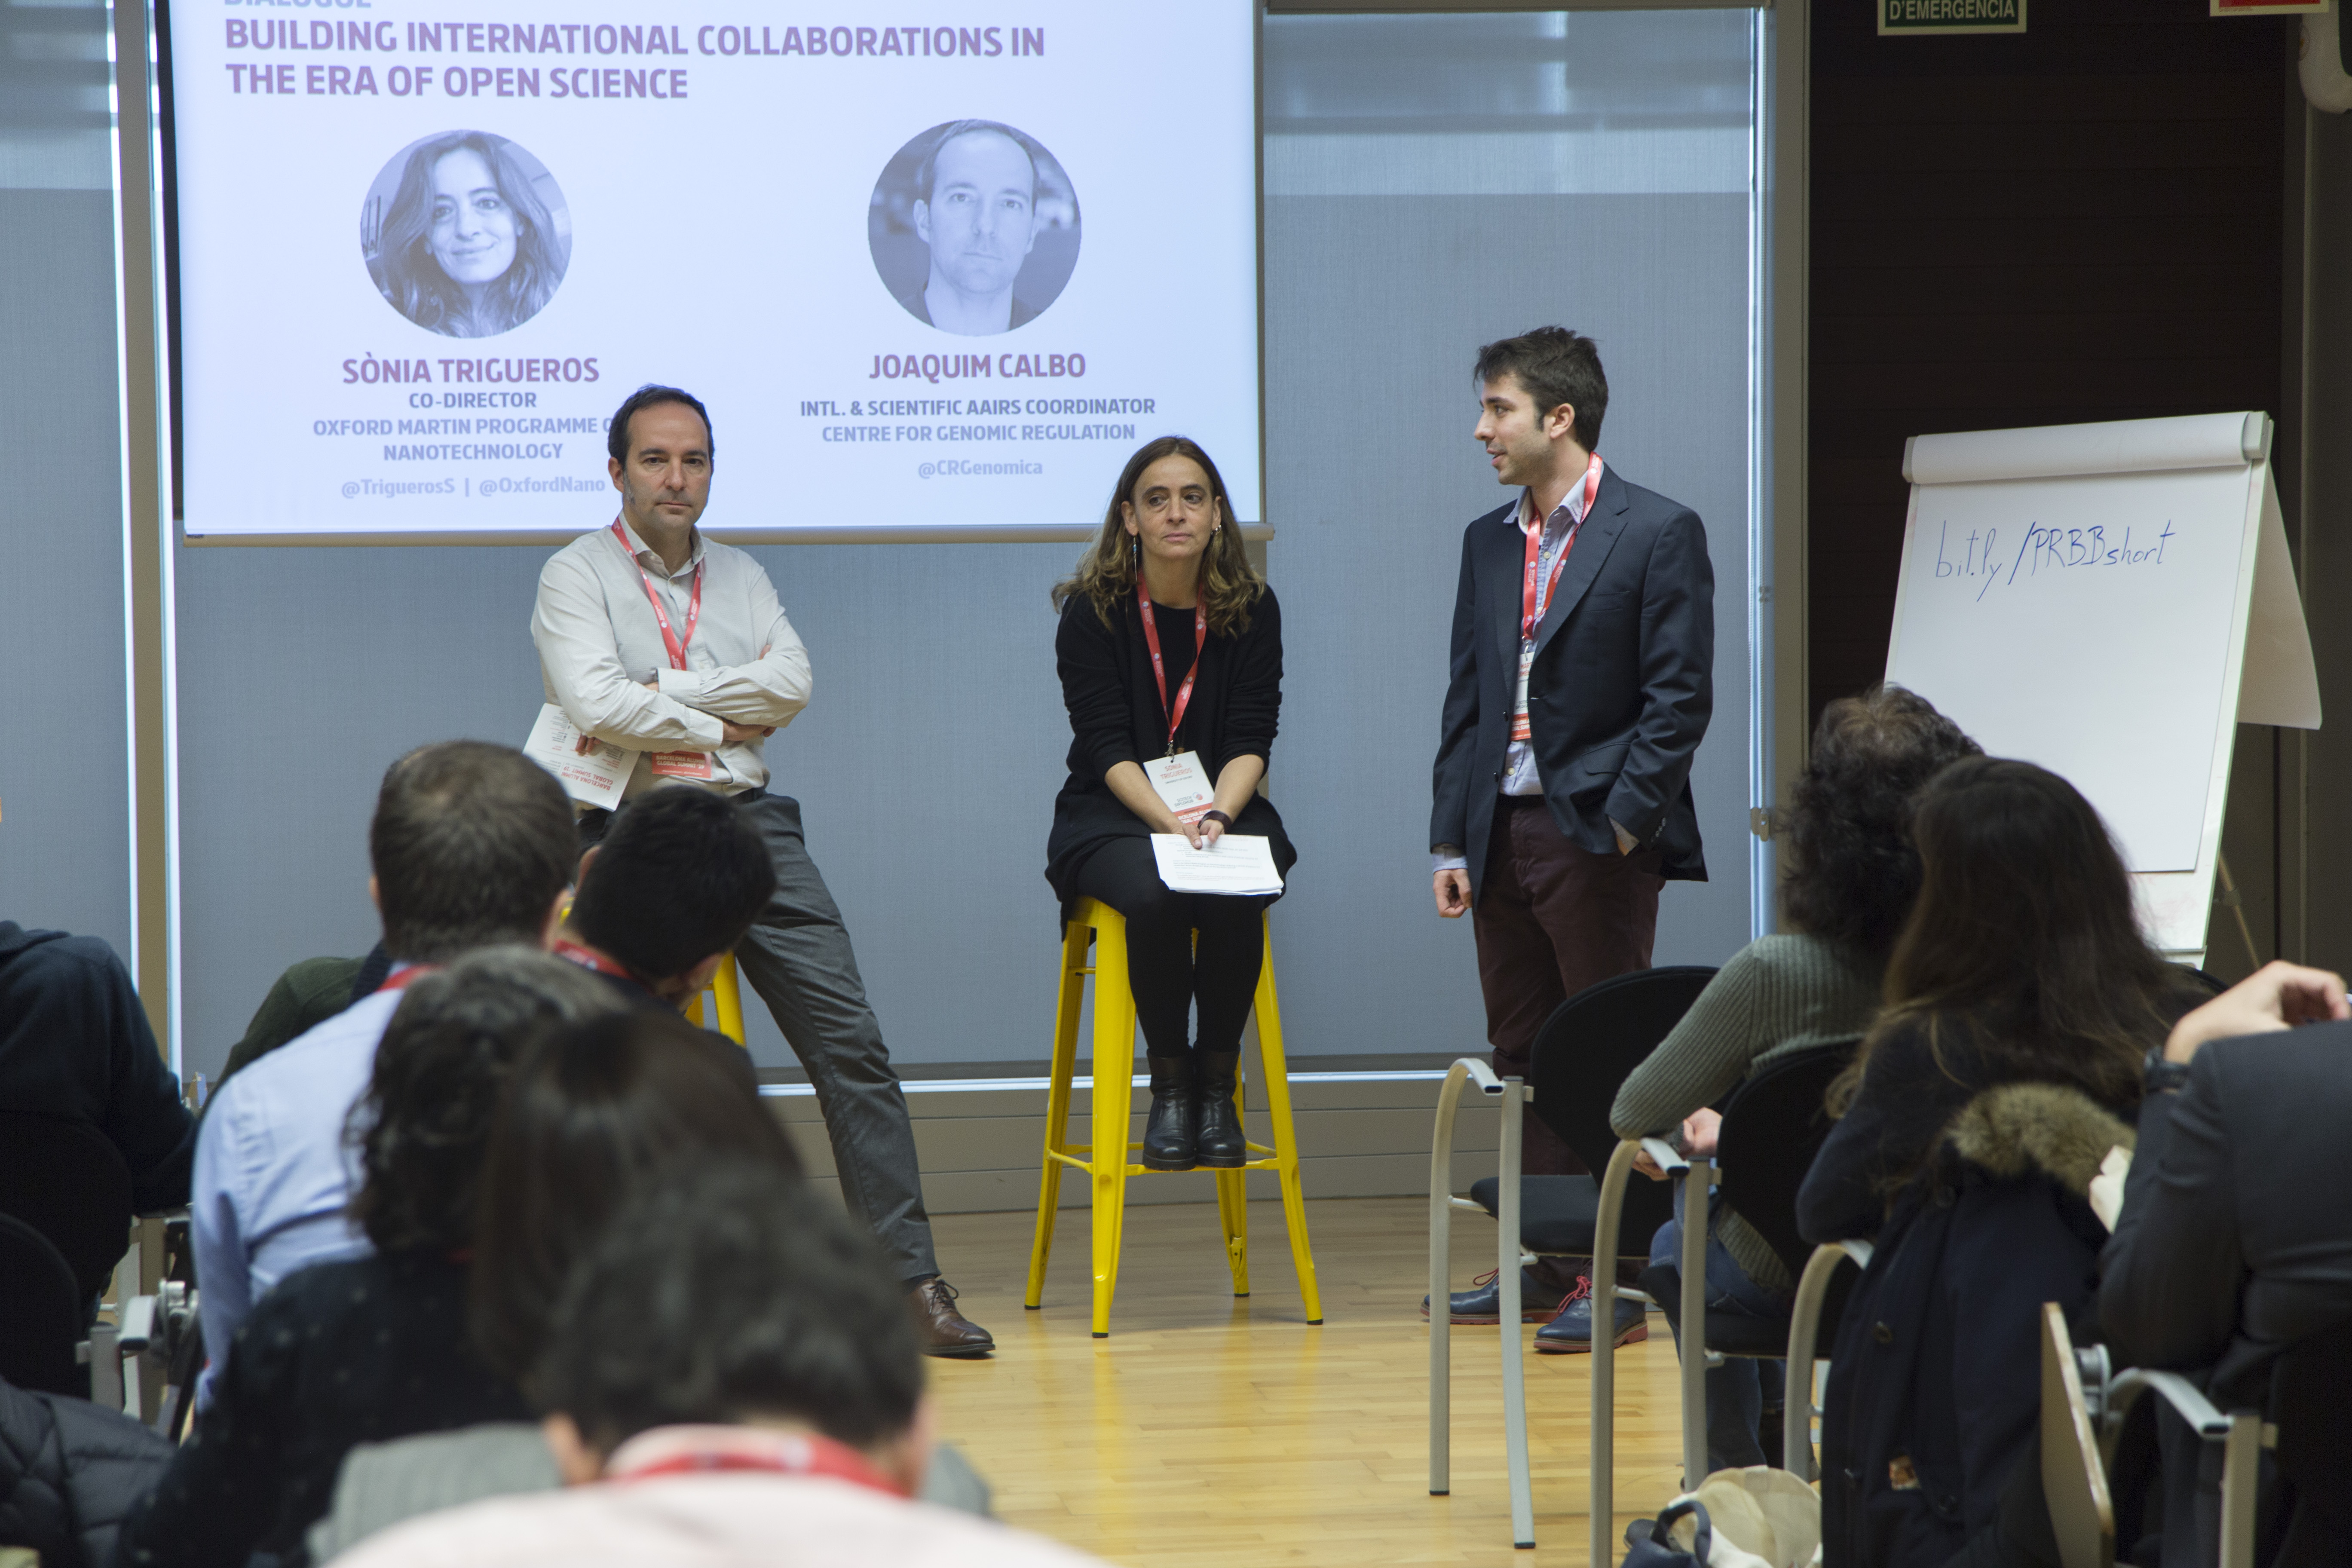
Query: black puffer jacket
<point x="69" y="1473"/>
<point x="1935" y="1388"/>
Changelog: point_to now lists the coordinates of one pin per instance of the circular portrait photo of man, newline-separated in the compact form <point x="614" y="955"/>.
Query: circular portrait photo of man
<point x="466" y="233"/>
<point x="975" y="228"/>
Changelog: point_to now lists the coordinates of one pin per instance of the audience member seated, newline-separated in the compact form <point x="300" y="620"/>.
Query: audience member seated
<point x="734" y="1377"/>
<point x="2221" y="1258"/>
<point x="373" y="1347"/>
<point x="675" y="883"/>
<point x="75" y="1046"/>
<point x="309" y="993"/>
<point x="1850" y="882"/>
<point x="2021" y="1000"/>
<point x="596" y="1114"/>
<point x="472" y="845"/>
<point x="68" y="1472"/>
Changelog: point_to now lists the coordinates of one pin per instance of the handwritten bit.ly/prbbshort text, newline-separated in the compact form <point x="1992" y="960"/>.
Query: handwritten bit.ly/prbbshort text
<point x="1979" y="557"/>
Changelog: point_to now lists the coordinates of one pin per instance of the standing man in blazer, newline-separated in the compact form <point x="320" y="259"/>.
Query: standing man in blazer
<point x="1581" y="683"/>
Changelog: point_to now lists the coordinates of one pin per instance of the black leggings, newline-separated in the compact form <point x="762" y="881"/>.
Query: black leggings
<point x="1168" y="971"/>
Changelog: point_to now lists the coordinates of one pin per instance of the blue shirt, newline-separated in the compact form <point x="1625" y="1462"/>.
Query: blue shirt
<point x="274" y="1177"/>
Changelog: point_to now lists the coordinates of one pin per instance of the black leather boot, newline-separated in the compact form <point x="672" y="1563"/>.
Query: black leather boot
<point x="1220" y="1143"/>
<point x="1172" y="1132"/>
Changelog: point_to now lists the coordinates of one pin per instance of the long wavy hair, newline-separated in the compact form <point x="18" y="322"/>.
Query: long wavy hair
<point x="1106" y="573"/>
<point x="413" y="280"/>
<point x="2023" y="946"/>
<point x="1852" y="870"/>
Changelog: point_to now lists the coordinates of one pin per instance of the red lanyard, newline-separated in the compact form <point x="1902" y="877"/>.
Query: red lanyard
<point x="1530" y="607"/>
<point x="813" y="1455"/>
<point x="405" y="978"/>
<point x="1160" y="670"/>
<point x="670" y="639"/>
<point x="589" y="958"/>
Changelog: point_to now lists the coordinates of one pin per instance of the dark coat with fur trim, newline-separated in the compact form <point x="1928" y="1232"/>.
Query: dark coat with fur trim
<point x="1935" y="1384"/>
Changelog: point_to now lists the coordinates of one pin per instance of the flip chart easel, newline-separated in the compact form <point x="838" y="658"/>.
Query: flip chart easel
<point x="2110" y="601"/>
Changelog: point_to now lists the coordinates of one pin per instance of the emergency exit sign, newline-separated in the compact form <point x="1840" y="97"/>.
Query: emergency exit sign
<point x="1951" y="15"/>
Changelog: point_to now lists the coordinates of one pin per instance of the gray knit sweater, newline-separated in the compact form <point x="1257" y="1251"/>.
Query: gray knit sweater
<point x="1778" y="994"/>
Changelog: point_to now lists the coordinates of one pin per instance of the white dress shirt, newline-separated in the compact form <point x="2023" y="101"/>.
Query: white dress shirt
<point x="708" y="1519"/>
<point x="599" y="641"/>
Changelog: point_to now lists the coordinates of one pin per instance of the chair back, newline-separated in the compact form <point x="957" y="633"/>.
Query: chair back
<point x="40" y="1314"/>
<point x="1583" y="1054"/>
<point x="66" y="1181"/>
<point x="1772" y="1127"/>
<point x="2310" y="1386"/>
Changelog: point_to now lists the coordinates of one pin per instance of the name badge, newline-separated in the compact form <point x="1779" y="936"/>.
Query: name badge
<point x="1183" y="783"/>
<point x="1520" y="731"/>
<point x="680" y="765"/>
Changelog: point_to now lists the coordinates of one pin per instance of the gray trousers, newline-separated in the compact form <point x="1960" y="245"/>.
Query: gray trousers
<point x="797" y="957"/>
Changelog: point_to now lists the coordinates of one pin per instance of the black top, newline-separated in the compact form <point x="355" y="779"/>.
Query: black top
<point x="1907" y="1097"/>
<point x="362" y="1350"/>
<point x="1116" y="716"/>
<point x="74" y="1045"/>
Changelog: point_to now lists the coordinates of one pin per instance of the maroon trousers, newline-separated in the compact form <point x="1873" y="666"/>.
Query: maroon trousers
<point x="1551" y="919"/>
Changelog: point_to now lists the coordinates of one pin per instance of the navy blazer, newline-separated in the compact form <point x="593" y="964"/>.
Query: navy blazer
<point x="1621" y="691"/>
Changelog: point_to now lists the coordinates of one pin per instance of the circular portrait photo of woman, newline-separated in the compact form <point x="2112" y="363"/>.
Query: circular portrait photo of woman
<point x="466" y="233"/>
<point x="975" y="228"/>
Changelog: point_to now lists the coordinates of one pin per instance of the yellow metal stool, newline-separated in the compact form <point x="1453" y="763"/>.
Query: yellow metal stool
<point x="1106" y="1159"/>
<point x="726" y="993"/>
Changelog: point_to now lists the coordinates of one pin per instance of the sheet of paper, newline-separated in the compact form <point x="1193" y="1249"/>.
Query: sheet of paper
<point x="1238" y="864"/>
<point x="595" y="778"/>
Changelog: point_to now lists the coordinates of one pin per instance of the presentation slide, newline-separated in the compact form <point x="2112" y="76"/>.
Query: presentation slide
<point x="930" y="279"/>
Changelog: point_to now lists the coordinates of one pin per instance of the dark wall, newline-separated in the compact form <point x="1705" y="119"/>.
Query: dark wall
<point x="2085" y="221"/>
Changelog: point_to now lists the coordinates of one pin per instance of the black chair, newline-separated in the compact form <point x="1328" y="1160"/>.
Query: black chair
<point x="1582" y="1056"/>
<point x="41" y="1316"/>
<point x="1584" y="1052"/>
<point x="67" y="1181"/>
<point x="1773" y="1125"/>
<point x="2086" y="1402"/>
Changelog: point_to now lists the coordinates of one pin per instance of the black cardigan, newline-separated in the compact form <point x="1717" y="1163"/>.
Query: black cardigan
<point x="1116" y="717"/>
<point x="338" y="1354"/>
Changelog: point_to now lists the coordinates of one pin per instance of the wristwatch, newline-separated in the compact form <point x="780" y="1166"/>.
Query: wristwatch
<point x="2161" y="1074"/>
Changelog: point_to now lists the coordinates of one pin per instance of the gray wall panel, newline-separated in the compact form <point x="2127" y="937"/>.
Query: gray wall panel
<point x="1374" y="475"/>
<point x="64" y="849"/>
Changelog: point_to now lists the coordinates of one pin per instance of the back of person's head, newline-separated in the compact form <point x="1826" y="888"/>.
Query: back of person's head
<point x="2025" y="943"/>
<point x="445" y="1060"/>
<point x="594" y="1114"/>
<point x="1853" y="870"/>
<point x="1554" y="365"/>
<point x="729" y="1294"/>
<point x="471" y="844"/>
<point x="681" y="875"/>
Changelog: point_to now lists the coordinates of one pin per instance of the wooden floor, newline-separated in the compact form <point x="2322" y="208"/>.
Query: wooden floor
<point x="1211" y="1430"/>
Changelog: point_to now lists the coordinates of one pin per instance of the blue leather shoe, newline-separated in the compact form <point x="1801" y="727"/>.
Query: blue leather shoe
<point x="1483" y="1303"/>
<point x="1570" y="1333"/>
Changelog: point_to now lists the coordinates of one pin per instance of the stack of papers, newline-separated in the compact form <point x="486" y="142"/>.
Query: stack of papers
<point x="596" y="777"/>
<point x="1237" y="864"/>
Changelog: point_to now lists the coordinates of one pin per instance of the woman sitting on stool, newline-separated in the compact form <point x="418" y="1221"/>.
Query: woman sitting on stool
<point x="1171" y="657"/>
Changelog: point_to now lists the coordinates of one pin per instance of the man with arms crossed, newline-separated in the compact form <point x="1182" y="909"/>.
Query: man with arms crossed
<point x="978" y="213"/>
<point x="668" y="644"/>
<point x="1582" y="681"/>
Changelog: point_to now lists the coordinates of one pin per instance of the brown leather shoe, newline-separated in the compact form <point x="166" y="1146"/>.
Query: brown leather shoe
<point x="944" y="1331"/>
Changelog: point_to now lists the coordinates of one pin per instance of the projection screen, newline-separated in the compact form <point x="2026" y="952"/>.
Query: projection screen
<point x="932" y="280"/>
